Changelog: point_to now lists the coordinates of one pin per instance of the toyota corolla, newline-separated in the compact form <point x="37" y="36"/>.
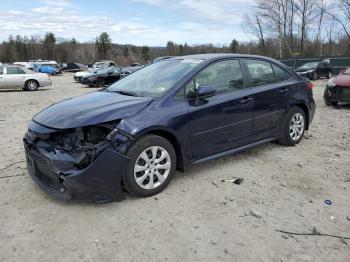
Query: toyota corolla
<point x="133" y="135"/>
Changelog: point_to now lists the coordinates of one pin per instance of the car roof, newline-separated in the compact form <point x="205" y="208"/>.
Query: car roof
<point x="8" y="65"/>
<point x="218" y="56"/>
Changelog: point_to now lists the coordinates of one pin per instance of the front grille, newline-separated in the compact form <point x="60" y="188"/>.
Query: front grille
<point x="41" y="169"/>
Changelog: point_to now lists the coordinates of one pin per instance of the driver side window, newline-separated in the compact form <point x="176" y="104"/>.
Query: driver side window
<point x="224" y="76"/>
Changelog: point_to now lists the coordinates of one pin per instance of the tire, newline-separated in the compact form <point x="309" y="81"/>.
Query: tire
<point x="293" y="128"/>
<point x="100" y="82"/>
<point x="31" y="85"/>
<point x="329" y="75"/>
<point x="142" y="150"/>
<point x="314" y="76"/>
<point x="327" y="99"/>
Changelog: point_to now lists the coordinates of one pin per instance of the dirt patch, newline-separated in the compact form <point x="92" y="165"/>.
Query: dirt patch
<point x="197" y="218"/>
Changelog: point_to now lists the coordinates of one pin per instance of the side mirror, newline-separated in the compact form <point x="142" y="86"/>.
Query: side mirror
<point x="205" y="91"/>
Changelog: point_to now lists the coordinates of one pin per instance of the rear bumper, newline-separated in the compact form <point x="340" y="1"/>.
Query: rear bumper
<point x="46" y="82"/>
<point x="99" y="182"/>
<point x="312" y="111"/>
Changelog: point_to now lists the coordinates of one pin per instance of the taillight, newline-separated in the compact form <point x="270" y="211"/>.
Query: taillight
<point x="310" y="85"/>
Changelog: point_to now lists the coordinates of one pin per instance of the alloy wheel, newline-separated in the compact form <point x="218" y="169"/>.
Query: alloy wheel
<point x="32" y="85"/>
<point x="152" y="167"/>
<point x="296" y="126"/>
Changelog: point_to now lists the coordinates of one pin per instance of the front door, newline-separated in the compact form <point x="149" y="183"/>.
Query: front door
<point x="224" y="120"/>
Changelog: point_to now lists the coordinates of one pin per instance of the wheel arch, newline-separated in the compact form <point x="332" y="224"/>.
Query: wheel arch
<point x="304" y="107"/>
<point x="171" y="137"/>
<point x="31" y="79"/>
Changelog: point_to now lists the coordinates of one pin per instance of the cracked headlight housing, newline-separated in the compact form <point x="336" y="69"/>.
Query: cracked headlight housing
<point x="120" y="139"/>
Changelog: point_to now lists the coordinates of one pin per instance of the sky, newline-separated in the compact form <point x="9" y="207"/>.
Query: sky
<point x="138" y="22"/>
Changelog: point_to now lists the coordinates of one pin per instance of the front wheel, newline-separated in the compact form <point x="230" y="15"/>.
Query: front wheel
<point x="329" y="75"/>
<point x="100" y="82"/>
<point x="327" y="98"/>
<point x="152" y="166"/>
<point x="314" y="76"/>
<point x="293" y="127"/>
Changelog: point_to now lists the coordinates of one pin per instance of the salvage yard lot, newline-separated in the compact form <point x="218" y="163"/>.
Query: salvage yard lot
<point x="198" y="217"/>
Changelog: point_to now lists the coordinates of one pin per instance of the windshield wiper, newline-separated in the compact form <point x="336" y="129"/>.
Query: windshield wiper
<point x="124" y="92"/>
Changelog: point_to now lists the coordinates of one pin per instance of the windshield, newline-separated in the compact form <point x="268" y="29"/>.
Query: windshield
<point x="155" y="79"/>
<point x="309" y="65"/>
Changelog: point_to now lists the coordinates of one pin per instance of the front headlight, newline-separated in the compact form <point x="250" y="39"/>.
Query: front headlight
<point x="331" y="83"/>
<point x="309" y="71"/>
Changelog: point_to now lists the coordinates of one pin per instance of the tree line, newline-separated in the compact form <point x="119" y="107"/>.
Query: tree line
<point x="281" y="29"/>
<point x="300" y="28"/>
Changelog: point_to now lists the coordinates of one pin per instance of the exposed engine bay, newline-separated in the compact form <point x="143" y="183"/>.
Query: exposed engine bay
<point x="78" y="148"/>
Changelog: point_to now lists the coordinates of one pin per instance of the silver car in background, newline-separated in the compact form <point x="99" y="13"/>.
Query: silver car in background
<point x="12" y="76"/>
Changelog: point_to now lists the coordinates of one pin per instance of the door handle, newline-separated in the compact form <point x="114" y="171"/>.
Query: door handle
<point x="284" y="90"/>
<point x="246" y="100"/>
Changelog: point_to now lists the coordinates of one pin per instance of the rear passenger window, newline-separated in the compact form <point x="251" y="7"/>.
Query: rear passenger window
<point x="280" y="74"/>
<point x="14" y="71"/>
<point x="261" y="72"/>
<point x="225" y="76"/>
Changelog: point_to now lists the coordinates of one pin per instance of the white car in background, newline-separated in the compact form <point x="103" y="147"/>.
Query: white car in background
<point x="103" y="64"/>
<point x="12" y="76"/>
<point x="79" y="75"/>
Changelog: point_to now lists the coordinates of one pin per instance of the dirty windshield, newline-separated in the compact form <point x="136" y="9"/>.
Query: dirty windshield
<point x="155" y="79"/>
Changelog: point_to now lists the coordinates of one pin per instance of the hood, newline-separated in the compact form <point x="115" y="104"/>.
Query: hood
<point x="342" y="80"/>
<point x="83" y="73"/>
<point x="90" y="109"/>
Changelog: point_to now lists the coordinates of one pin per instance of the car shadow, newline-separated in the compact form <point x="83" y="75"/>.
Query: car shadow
<point x="342" y="105"/>
<point x="20" y="90"/>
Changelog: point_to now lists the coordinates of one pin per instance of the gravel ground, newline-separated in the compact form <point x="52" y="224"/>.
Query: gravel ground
<point x="198" y="217"/>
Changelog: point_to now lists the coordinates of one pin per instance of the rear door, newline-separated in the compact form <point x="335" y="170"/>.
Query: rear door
<point x="223" y="121"/>
<point x="15" y="77"/>
<point x="271" y="96"/>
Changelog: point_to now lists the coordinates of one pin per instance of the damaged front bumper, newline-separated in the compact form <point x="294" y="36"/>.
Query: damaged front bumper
<point x="338" y="93"/>
<point x="55" y="173"/>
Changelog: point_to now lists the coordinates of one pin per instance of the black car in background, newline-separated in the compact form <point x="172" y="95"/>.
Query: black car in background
<point x="103" y="77"/>
<point x="130" y="69"/>
<point x="315" y="70"/>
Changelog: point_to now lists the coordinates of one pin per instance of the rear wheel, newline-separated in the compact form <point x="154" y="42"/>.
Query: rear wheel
<point x="329" y="75"/>
<point x="152" y="166"/>
<point x="31" y="85"/>
<point x="293" y="127"/>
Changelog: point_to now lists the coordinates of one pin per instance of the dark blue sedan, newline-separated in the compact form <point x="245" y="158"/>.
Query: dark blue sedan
<point x="186" y="110"/>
